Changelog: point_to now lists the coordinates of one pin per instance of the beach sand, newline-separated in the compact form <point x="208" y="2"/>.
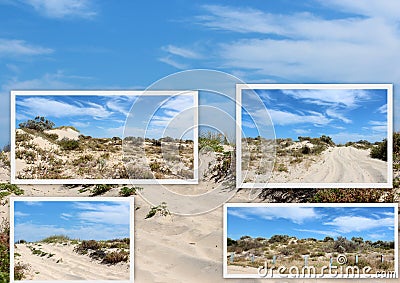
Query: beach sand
<point x="65" y="264"/>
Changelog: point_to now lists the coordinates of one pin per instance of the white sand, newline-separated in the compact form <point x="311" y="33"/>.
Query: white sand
<point x="64" y="133"/>
<point x="66" y="264"/>
<point x="336" y="165"/>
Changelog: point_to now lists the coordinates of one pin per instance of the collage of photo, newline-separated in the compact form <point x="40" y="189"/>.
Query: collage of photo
<point x="304" y="184"/>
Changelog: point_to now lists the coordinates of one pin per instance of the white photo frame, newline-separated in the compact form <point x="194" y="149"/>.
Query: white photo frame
<point x="106" y="93"/>
<point x="242" y="183"/>
<point x="284" y="207"/>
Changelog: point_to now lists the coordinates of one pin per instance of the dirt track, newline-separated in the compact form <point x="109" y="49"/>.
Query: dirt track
<point x="346" y="165"/>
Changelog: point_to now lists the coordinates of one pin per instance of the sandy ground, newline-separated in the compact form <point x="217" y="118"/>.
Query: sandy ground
<point x="67" y="133"/>
<point x="337" y="165"/>
<point x="67" y="264"/>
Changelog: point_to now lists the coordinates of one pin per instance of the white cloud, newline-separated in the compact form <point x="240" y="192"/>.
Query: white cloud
<point x="49" y="80"/>
<point x="348" y="224"/>
<point x="348" y="49"/>
<point x="287" y="118"/>
<point x="181" y="52"/>
<point x="168" y="60"/>
<point x="376" y="236"/>
<point x="343" y="137"/>
<point x="77" y="124"/>
<point x="20" y="214"/>
<point x="117" y="214"/>
<point x="121" y="104"/>
<point x="382" y="109"/>
<point x="16" y="47"/>
<point x="330" y="97"/>
<point x="295" y="214"/>
<point x="334" y="113"/>
<point x="385" y="9"/>
<point x="53" y="108"/>
<point x="301" y="131"/>
<point x="63" y="8"/>
<point x="321" y="232"/>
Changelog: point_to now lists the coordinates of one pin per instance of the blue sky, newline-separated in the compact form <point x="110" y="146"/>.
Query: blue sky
<point x="85" y="220"/>
<point x="344" y="115"/>
<point x="105" y="116"/>
<point x="371" y="223"/>
<point x="94" y="44"/>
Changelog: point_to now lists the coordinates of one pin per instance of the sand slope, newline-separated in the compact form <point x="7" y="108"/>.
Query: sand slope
<point x="337" y="165"/>
<point x="70" y="266"/>
<point x="347" y="164"/>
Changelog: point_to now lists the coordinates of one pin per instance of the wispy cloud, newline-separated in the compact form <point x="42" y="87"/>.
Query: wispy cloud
<point x="331" y="47"/>
<point x="181" y="52"/>
<point x="16" y="47"/>
<point x="382" y="109"/>
<point x="349" y="98"/>
<point x="48" y="107"/>
<point x="170" y="61"/>
<point x="63" y="8"/>
<point x="20" y="214"/>
<point x="295" y="214"/>
<point x="112" y="214"/>
<point x="320" y="232"/>
<point x="348" y="224"/>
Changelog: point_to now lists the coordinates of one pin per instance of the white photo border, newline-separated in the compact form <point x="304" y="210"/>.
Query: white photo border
<point x="283" y="205"/>
<point x="83" y="199"/>
<point x="170" y="93"/>
<point x="389" y="116"/>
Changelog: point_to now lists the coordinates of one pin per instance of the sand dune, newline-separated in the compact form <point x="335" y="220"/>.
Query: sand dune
<point x="65" y="133"/>
<point x="336" y="165"/>
<point x="66" y="264"/>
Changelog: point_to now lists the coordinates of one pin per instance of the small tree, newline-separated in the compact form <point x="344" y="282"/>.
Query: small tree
<point x="39" y="124"/>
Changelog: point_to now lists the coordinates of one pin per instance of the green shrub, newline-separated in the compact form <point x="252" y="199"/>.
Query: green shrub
<point x="52" y="137"/>
<point x="160" y="209"/>
<point x="342" y="245"/>
<point x="6" y="189"/>
<point x="100" y="189"/>
<point x="126" y="191"/>
<point x="4" y="251"/>
<point x="352" y="195"/>
<point x="115" y="257"/>
<point x="212" y="140"/>
<point x="231" y="242"/>
<point x="68" y="144"/>
<point x="83" y="247"/>
<point x="379" y="151"/>
<point x="39" y="124"/>
<point x="56" y="239"/>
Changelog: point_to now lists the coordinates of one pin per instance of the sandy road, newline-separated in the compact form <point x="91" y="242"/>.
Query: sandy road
<point x="346" y="165"/>
<point x="66" y="264"/>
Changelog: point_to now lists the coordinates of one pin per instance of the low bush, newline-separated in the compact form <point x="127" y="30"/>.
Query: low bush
<point x="7" y="189"/>
<point x="379" y="151"/>
<point x="85" y="246"/>
<point x="115" y="257"/>
<point x="126" y="191"/>
<point x="68" y="144"/>
<point x="56" y="239"/>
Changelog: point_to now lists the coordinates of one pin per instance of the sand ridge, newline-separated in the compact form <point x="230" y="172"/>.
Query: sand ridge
<point x="65" y="264"/>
